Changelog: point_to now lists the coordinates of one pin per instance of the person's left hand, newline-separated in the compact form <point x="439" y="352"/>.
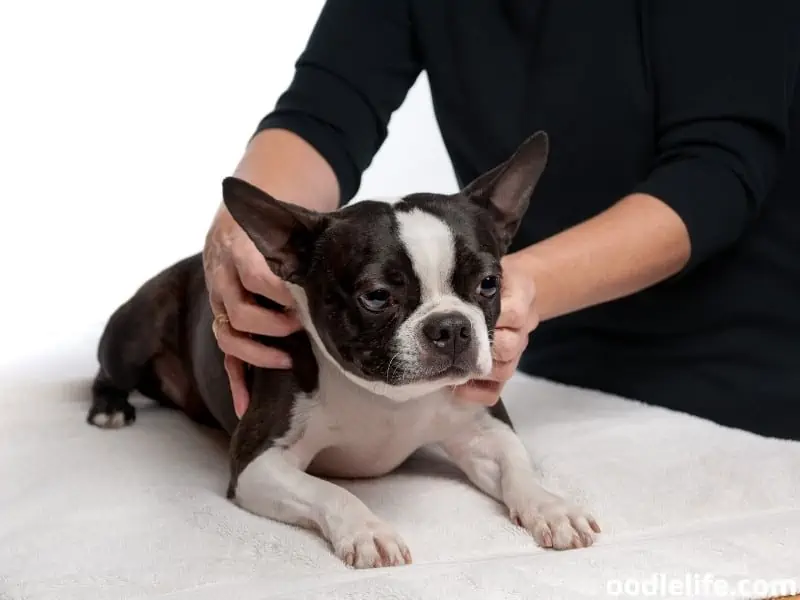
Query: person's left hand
<point x="517" y="319"/>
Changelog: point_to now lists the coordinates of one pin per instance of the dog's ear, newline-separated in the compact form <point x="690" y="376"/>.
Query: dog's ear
<point x="505" y="191"/>
<point x="284" y="233"/>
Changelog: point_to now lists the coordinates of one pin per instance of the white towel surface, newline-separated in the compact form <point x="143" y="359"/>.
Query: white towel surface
<point x="140" y="513"/>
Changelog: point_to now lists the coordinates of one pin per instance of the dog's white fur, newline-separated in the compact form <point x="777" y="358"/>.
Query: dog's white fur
<point x="429" y="243"/>
<point x="352" y="427"/>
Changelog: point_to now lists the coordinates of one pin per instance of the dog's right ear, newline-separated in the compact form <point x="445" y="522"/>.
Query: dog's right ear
<point x="284" y="233"/>
<point x="505" y="191"/>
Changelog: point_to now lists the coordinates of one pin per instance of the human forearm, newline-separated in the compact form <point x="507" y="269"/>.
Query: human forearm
<point x="287" y="167"/>
<point x="636" y="243"/>
<point x="717" y="154"/>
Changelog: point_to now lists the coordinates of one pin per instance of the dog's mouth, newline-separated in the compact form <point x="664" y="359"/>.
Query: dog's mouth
<point x="459" y="367"/>
<point x="429" y="371"/>
<point x="453" y="374"/>
<point x="456" y="371"/>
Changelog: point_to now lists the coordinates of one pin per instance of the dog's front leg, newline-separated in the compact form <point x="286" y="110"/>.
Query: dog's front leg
<point x="274" y="485"/>
<point x="496" y="461"/>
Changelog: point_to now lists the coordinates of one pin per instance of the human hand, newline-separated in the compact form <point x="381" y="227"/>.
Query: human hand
<point x="517" y="319"/>
<point x="234" y="271"/>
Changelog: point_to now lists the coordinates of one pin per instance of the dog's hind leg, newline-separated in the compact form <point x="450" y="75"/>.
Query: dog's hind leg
<point x="138" y="338"/>
<point x="126" y="347"/>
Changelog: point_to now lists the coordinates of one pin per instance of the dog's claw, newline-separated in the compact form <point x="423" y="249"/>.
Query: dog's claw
<point x="547" y="539"/>
<point x="593" y="524"/>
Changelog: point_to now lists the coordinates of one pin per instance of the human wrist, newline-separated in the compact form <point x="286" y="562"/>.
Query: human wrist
<point x="284" y="165"/>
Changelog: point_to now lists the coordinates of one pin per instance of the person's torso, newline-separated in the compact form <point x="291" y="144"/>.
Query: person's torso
<point x="723" y="341"/>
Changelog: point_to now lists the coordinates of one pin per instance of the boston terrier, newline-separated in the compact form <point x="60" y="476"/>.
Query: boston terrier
<point x="398" y="300"/>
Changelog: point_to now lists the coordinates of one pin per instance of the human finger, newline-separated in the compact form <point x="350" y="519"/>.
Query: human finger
<point x="241" y="346"/>
<point x="514" y="312"/>
<point x="503" y="371"/>
<point x="479" y="391"/>
<point x="235" y="371"/>
<point x="506" y="344"/>
<point x="245" y="315"/>
<point x="256" y="276"/>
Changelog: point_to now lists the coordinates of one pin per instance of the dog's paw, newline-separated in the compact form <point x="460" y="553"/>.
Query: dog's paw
<point x="370" y="545"/>
<point x="111" y="413"/>
<point x="558" y="524"/>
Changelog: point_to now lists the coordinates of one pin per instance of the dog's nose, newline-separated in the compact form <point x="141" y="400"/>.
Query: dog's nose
<point x="450" y="333"/>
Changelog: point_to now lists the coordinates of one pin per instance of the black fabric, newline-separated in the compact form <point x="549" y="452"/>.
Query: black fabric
<point x="692" y="101"/>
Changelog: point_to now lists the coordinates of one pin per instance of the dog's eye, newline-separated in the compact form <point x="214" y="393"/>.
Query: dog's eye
<point x="376" y="300"/>
<point x="489" y="286"/>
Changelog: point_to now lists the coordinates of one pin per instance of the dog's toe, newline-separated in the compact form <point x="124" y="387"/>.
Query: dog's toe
<point x="114" y="420"/>
<point x="372" y="545"/>
<point x="559" y="525"/>
<point x="111" y="414"/>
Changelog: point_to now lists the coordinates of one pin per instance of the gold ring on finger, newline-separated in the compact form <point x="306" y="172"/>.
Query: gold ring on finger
<point x="219" y="319"/>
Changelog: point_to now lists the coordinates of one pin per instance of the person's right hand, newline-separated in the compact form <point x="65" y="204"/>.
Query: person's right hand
<point x="234" y="271"/>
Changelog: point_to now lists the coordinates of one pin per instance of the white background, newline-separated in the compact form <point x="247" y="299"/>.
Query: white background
<point x="117" y="123"/>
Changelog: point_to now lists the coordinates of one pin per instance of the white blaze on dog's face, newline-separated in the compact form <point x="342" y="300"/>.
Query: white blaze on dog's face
<point x="401" y="296"/>
<point x="446" y="337"/>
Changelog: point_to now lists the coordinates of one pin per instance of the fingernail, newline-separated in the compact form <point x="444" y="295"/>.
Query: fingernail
<point x="238" y="406"/>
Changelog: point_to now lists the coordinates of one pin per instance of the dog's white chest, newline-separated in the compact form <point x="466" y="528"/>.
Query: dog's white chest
<point x="346" y="431"/>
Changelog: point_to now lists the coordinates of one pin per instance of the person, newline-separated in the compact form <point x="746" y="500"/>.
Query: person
<point x="660" y="257"/>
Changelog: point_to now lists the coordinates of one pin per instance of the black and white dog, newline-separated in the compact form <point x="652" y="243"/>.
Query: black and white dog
<point x="399" y="301"/>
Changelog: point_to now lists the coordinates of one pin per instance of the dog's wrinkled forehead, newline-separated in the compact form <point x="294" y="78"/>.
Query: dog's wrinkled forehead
<point x="432" y="238"/>
<point x="453" y="223"/>
<point x="363" y="245"/>
<point x="430" y="245"/>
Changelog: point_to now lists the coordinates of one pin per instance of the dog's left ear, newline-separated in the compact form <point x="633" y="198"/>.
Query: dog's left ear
<point x="286" y="234"/>
<point x="505" y="191"/>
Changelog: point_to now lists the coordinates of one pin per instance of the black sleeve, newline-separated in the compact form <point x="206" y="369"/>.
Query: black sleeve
<point x="355" y="71"/>
<point x="724" y="74"/>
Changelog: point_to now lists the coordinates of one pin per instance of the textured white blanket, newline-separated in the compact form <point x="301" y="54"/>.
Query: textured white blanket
<point x="686" y="506"/>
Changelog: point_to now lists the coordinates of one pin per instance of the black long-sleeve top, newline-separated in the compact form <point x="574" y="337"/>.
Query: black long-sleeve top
<point x="691" y="101"/>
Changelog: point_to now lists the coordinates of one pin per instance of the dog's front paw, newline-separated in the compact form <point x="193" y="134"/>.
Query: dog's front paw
<point x="557" y="524"/>
<point x="369" y="545"/>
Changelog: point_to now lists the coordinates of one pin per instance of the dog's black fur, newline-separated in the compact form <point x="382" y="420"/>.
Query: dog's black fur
<point x="160" y="342"/>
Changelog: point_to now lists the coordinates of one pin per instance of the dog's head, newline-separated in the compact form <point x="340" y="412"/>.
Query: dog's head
<point x="402" y="295"/>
